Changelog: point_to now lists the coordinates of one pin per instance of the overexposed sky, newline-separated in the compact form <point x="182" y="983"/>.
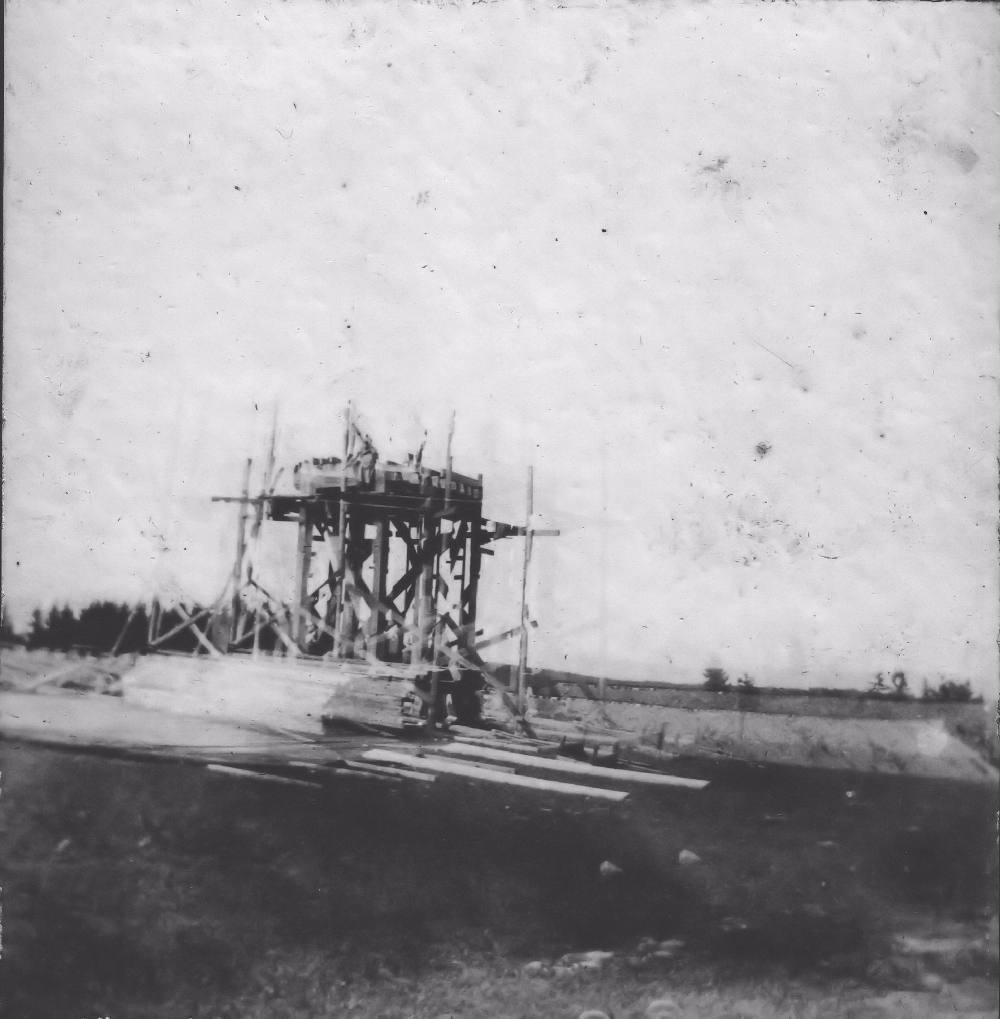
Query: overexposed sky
<point x="624" y="243"/>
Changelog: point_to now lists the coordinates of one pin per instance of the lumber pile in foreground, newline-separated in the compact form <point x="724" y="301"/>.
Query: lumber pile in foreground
<point x="477" y="760"/>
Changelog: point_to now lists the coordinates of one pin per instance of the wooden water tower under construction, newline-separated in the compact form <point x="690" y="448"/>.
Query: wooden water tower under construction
<point x="386" y="569"/>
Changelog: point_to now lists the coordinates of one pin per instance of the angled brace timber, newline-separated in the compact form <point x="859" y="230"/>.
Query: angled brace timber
<point x="471" y="660"/>
<point x="188" y="621"/>
<point x="202" y="640"/>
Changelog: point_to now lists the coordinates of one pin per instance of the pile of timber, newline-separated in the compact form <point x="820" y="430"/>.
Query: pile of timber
<point x="493" y="758"/>
<point x="505" y="762"/>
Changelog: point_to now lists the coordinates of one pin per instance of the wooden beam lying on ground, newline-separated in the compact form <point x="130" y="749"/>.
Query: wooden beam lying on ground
<point x="571" y="767"/>
<point x="505" y="768"/>
<point x="382" y="772"/>
<point x="52" y="677"/>
<point x="225" y="769"/>
<point x="486" y="775"/>
<point x="496" y="744"/>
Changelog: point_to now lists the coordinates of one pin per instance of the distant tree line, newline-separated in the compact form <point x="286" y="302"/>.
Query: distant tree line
<point x="98" y="627"/>
<point x="893" y="688"/>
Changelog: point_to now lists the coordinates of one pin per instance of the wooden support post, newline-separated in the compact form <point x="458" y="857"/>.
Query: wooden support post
<point x="121" y="636"/>
<point x="348" y="616"/>
<point x="522" y="662"/>
<point x="470" y="594"/>
<point x="380" y="572"/>
<point x="192" y="622"/>
<point x="447" y="472"/>
<point x="241" y="550"/>
<point x="343" y="602"/>
<point x="438" y="579"/>
<point x="425" y="592"/>
<point x="427" y="596"/>
<point x="303" y="558"/>
<point x="154" y="622"/>
<point x="402" y="645"/>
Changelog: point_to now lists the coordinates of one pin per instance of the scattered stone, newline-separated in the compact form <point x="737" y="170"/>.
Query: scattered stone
<point x="931" y="982"/>
<point x="609" y="869"/>
<point x="535" y="969"/>
<point x="687" y="858"/>
<point x="595" y="960"/>
<point x="827" y="844"/>
<point x="733" y="923"/>
<point x="662" y="1008"/>
<point x="144" y="841"/>
<point x="649" y="950"/>
<point x="65" y="844"/>
<point x="574" y="962"/>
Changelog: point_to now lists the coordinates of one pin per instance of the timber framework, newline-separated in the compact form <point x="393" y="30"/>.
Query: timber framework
<point x="386" y="569"/>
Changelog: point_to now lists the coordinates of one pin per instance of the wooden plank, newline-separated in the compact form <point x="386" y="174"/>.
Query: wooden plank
<point x="259" y="625"/>
<point x="572" y="767"/>
<point x="502" y="768"/>
<point x="241" y="551"/>
<point x="202" y="640"/>
<point x="447" y="471"/>
<point x="522" y="658"/>
<point x="483" y="775"/>
<point x="498" y="639"/>
<point x="307" y="616"/>
<point x="121" y="636"/>
<point x="225" y="769"/>
<point x="469" y="660"/>
<point x="500" y="737"/>
<point x="393" y="773"/>
<point x="380" y="571"/>
<point x="492" y="744"/>
<point x="303" y="560"/>
<point x="52" y="677"/>
<point x="188" y="621"/>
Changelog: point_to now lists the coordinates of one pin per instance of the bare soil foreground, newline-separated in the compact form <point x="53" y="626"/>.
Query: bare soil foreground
<point x="164" y="890"/>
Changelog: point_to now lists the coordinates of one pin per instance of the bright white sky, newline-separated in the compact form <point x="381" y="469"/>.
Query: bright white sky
<point x="625" y="243"/>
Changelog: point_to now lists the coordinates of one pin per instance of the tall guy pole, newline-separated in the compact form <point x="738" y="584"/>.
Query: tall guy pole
<point x="522" y="664"/>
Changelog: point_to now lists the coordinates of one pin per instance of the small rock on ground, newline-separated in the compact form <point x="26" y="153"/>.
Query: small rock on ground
<point x="662" y="1008"/>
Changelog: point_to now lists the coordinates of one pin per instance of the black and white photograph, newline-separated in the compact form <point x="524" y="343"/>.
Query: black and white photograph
<point x="500" y="510"/>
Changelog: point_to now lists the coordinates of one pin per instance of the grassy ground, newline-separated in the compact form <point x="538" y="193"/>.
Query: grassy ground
<point x="162" y="890"/>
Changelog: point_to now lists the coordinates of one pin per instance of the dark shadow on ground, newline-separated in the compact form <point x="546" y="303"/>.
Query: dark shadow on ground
<point x="157" y="889"/>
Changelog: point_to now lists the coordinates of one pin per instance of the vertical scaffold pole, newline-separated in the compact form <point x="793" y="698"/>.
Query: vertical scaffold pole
<point x="241" y="551"/>
<point x="344" y="608"/>
<point x="522" y="663"/>
<point x="303" y="560"/>
<point x="380" y="572"/>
